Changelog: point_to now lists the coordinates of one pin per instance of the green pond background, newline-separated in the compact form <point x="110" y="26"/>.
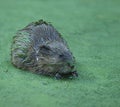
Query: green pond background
<point x="92" y="30"/>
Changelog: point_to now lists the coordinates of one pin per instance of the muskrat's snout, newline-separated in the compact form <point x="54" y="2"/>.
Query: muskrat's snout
<point x="67" y="63"/>
<point x="66" y="57"/>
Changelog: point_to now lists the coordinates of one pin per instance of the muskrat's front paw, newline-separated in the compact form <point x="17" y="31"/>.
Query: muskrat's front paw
<point x="58" y="76"/>
<point x="75" y="74"/>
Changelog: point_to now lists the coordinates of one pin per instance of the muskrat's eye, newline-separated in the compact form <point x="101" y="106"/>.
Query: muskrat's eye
<point x="43" y="47"/>
<point x="61" y="55"/>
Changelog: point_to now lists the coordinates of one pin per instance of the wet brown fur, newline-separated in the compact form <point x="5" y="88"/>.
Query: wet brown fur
<point x="44" y="51"/>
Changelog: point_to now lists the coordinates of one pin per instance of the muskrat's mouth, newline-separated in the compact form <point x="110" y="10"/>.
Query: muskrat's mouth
<point x="72" y="74"/>
<point x="65" y="70"/>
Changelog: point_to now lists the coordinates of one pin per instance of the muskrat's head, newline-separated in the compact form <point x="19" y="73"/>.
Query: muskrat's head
<point x="56" y="57"/>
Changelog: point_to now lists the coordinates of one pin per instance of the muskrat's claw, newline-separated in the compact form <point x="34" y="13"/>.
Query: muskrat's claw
<point x="74" y="74"/>
<point x="58" y="76"/>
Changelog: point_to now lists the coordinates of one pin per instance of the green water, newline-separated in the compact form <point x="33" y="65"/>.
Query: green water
<point x="92" y="30"/>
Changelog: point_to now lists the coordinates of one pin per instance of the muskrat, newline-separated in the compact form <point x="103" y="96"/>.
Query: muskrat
<point x="40" y="48"/>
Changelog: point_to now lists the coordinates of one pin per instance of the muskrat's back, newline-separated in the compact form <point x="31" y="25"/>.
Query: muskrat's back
<point x="40" y="48"/>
